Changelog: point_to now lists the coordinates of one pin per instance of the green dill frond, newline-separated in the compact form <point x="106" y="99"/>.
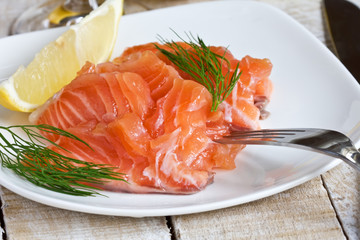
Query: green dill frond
<point x="202" y="64"/>
<point x="44" y="167"/>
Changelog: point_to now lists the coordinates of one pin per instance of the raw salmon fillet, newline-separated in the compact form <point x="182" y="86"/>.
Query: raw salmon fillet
<point x="153" y="122"/>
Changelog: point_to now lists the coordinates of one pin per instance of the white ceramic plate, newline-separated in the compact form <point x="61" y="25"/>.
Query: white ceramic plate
<point x="312" y="89"/>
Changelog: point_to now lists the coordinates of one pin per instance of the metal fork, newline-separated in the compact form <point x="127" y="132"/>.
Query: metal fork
<point x="329" y="142"/>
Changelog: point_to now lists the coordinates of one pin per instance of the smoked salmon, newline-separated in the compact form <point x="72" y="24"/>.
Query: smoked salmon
<point x="151" y="121"/>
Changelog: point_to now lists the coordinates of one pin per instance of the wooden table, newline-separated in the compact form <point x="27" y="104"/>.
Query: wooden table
<point x="327" y="207"/>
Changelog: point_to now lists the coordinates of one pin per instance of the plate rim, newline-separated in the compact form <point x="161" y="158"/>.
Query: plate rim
<point x="59" y="203"/>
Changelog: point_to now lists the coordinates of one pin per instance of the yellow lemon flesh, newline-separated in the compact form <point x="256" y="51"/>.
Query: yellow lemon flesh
<point x="93" y="40"/>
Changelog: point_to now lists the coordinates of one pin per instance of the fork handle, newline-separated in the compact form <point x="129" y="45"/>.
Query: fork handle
<point x="352" y="157"/>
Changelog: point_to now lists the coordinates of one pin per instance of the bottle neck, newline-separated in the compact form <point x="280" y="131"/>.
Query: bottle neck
<point x="82" y="6"/>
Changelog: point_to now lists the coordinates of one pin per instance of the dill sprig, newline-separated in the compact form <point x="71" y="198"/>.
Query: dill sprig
<point x="32" y="159"/>
<point x="205" y="66"/>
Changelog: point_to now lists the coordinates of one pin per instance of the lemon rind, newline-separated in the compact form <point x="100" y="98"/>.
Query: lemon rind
<point x="11" y="98"/>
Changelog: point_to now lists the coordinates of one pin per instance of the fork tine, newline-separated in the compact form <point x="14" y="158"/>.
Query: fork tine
<point x="253" y="135"/>
<point x="265" y="133"/>
<point x="278" y="130"/>
<point x="257" y="134"/>
<point x="329" y="142"/>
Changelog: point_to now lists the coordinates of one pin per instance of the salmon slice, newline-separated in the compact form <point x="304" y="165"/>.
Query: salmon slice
<point x="254" y="85"/>
<point x="155" y="72"/>
<point x="153" y="122"/>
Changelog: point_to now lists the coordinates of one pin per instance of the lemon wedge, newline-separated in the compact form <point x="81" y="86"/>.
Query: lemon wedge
<point x="93" y="40"/>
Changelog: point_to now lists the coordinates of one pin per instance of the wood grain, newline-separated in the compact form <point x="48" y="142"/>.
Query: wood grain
<point x="304" y="212"/>
<point x="343" y="184"/>
<point x="25" y="219"/>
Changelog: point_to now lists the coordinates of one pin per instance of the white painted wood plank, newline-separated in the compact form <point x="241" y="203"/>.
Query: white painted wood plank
<point x="25" y="219"/>
<point x="304" y="212"/>
<point x="343" y="184"/>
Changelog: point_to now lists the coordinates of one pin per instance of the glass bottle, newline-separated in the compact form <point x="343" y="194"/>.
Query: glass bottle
<point x="53" y="13"/>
